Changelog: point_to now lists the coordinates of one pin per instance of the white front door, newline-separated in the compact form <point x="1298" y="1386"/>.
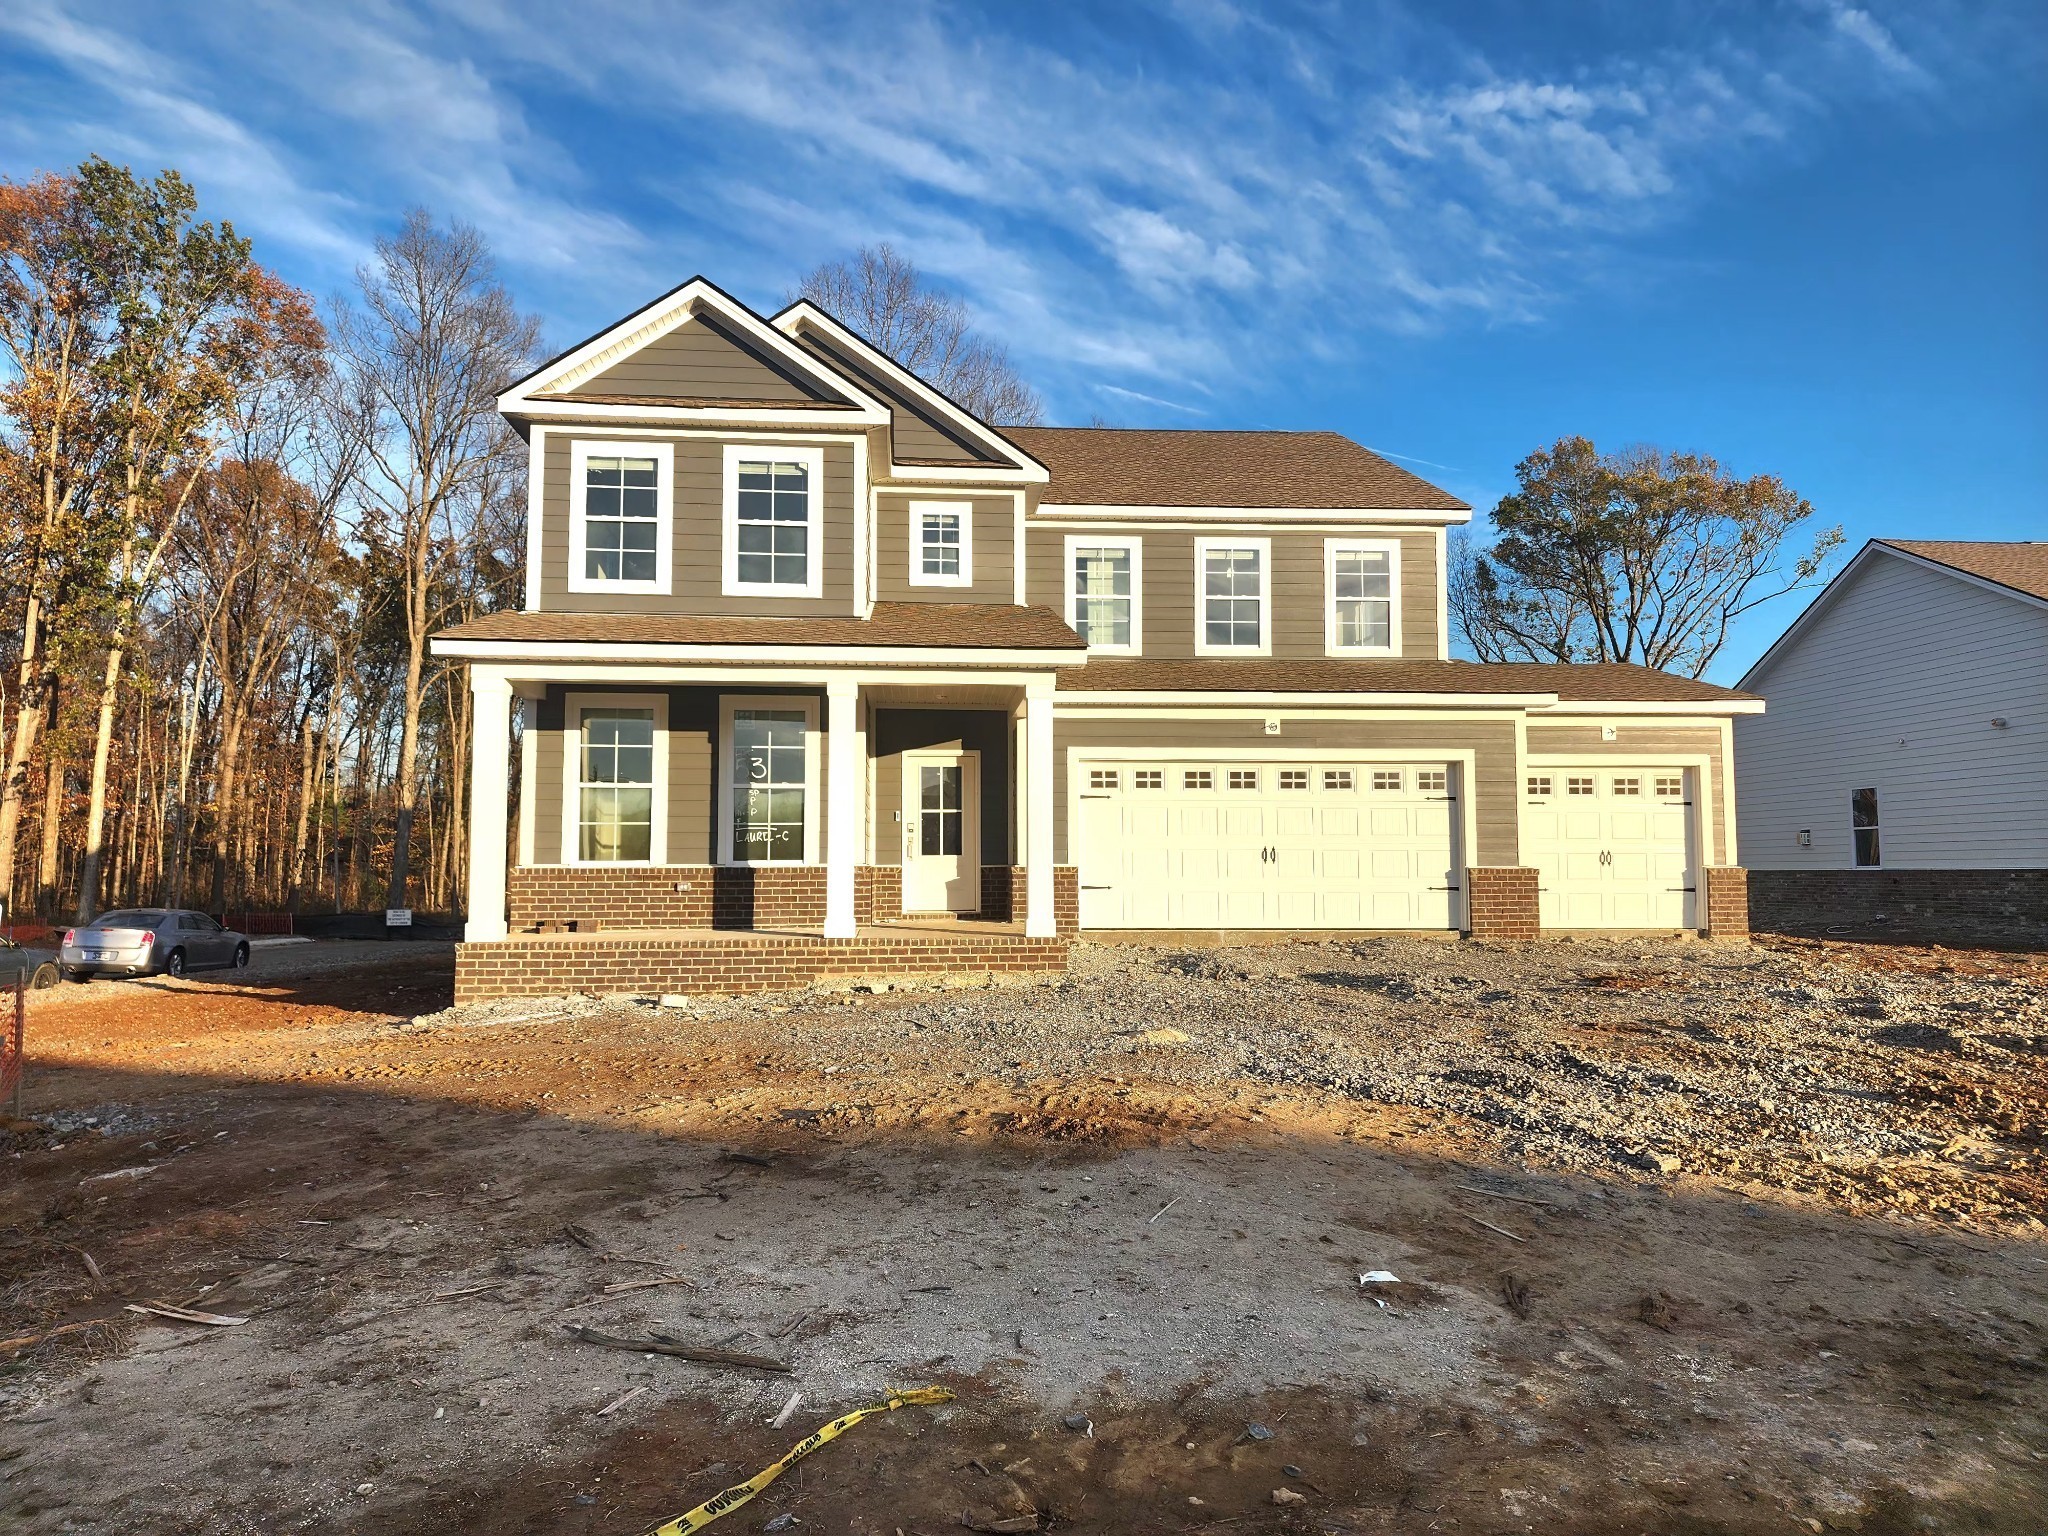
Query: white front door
<point x="1330" y="843"/>
<point x="1613" y="845"/>
<point x="942" y="832"/>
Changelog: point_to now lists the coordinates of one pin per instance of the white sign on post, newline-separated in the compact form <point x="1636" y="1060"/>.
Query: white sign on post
<point x="398" y="917"/>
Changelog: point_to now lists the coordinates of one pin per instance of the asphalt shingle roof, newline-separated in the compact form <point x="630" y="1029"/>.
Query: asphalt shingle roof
<point x="2021" y="566"/>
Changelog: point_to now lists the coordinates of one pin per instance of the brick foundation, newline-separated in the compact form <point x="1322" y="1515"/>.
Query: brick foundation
<point x="1727" y="901"/>
<point x="551" y="966"/>
<point x="677" y="896"/>
<point x="1937" y="906"/>
<point x="1066" y="896"/>
<point x="1502" y="903"/>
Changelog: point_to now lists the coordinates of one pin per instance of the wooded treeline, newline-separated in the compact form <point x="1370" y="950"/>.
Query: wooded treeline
<point x="230" y="518"/>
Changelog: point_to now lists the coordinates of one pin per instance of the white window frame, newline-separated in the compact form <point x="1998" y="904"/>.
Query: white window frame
<point x="813" y="459"/>
<point x="581" y="452"/>
<point x="1334" y="547"/>
<point x="1202" y="549"/>
<point x="964" y="510"/>
<point x="1134" y="544"/>
<point x="573" y="707"/>
<point x="814" y="779"/>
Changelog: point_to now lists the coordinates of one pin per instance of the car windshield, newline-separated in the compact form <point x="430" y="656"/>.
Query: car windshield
<point x="138" y="917"/>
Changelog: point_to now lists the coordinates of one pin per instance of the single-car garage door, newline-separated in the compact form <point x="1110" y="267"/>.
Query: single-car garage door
<point x="1325" y="844"/>
<point x="1613" y="846"/>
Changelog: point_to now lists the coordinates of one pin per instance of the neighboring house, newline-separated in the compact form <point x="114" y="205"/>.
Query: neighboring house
<point x="1899" y="784"/>
<point x="814" y="663"/>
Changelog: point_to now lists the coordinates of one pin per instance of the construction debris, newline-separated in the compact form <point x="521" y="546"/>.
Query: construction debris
<point x="663" y="1344"/>
<point x="186" y="1314"/>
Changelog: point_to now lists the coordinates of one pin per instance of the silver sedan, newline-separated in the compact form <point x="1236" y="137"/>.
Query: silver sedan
<point x="147" y="941"/>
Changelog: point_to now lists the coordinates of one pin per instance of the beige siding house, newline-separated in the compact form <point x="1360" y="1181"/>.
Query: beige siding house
<point x="819" y="675"/>
<point x="1899" y="783"/>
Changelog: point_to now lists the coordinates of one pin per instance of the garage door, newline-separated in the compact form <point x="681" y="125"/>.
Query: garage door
<point x="1328" y="844"/>
<point x="1612" y="846"/>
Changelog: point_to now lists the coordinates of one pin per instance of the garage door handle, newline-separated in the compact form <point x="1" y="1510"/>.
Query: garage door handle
<point x="1098" y="887"/>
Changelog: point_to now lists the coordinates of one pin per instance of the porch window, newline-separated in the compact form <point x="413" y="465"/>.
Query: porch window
<point x="620" y="516"/>
<point x="1362" y="579"/>
<point x="772" y="521"/>
<point x="615" y="789"/>
<point x="941" y="543"/>
<point x="1231" y="611"/>
<point x="1104" y="602"/>
<point x="1863" y="827"/>
<point x="770" y="785"/>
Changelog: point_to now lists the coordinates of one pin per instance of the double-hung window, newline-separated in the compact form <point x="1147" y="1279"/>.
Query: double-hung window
<point x="621" y="516"/>
<point x="768" y="804"/>
<point x="774" y="494"/>
<point x="1863" y="827"/>
<point x="614" y="811"/>
<point x="942" y="543"/>
<point x="1105" y="592"/>
<point x="1233" y="607"/>
<point x="1362" y="602"/>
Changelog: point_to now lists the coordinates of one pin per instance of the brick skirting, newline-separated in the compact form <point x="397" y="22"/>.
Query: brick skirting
<point x="1502" y="903"/>
<point x="1727" y="901"/>
<point x="1942" y="906"/>
<point x="551" y="966"/>
<point x="1066" y="895"/>
<point x="692" y="896"/>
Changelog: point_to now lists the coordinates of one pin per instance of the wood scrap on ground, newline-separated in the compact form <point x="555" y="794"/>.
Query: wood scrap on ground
<point x="186" y="1314"/>
<point x="664" y="1344"/>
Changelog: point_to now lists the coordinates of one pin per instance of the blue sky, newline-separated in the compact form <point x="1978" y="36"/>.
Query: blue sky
<point x="1806" y="237"/>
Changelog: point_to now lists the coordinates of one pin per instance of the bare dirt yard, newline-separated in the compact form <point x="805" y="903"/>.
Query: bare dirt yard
<point x="1687" y="1238"/>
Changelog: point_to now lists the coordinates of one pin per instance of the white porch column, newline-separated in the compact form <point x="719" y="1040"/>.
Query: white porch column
<point x="842" y="805"/>
<point x="490" y="775"/>
<point x="1039" y="922"/>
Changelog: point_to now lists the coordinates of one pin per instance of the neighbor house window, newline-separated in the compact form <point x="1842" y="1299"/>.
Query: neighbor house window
<point x="1361" y="578"/>
<point x="941" y="543"/>
<point x="1231" y="611"/>
<point x="766" y="789"/>
<point x="1863" y="827"/>
<point x="773" y="498"/>
<point x="620" y="516"/>
<point x="1104" y="601"/>
<point x="616" y="765"/>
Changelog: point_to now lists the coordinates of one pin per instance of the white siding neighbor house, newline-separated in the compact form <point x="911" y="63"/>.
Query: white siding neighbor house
<point x="1899" y="782"/>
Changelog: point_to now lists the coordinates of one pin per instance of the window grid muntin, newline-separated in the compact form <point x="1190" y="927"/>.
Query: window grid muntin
<point x="939" y="543"/>
<point x="1233" y="597"/>
<point x="1362" y="598"/>
<point x="1626" y="785"/>
<point x="621" y="518"/>
<point x="773" y="523"/>
<point x="942" y="812"/>
<point x="1386" y="779"/>
<point x="1670" y="786"/>
<point x="1578" y="784"/>
<point x="770" y="785"/>
<point x="1294" y="778"/>
<point x="1197" y="778"/>
<point x="1244" y="778"/>
<point x="615" y="785"/>
<point x="1539" y="786"/>
<point x="1148" y="778"/>
<point x="1863" y="829"/>
<point x="1103" y="588"/>
<point x="1338" y="779"/>
<point x="1432" y="780"/>
<point x="1103" y="778"/>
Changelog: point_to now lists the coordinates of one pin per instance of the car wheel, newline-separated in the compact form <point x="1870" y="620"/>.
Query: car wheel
<point x="241" y="957"/>
<point x="174" y="963"/>
<point x="45" y="977"/>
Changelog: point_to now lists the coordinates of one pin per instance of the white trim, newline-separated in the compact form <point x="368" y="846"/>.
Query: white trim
<point x="983" y="477"/>
<point x="1203" y="549"/>
<point x="1391" y="548"/>
<point x="964" y="510"/>
<point x="863" y="528"/>
<point x="1443" y="594"/>
<point x="536" y="511"/>
<point x="1332" y="702"/>
<point x="573" y="707"/>
<point x="577" y="413"/>
<point x="824" y="655"/>
<point x="1040" y="919"/>
<point x="844" y="799"/>
<point x="1306" y="716"/>
<point x="664" y="456"/>
<point x="1705" y="709"/>
<point x="721" y="833"/>
<point x="1877" y="793"/>
<point x="543" y="673"/>
<point x="1068" y="603"/>
<point x="1019" y="592"/>
<point x="813" y="584"/>
<point x="1255" y="514"/>
<point x="1731" y="853"/>
<point x="490" y="767"/>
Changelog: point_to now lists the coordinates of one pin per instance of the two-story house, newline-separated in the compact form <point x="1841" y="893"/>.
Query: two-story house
<point x="816" y="668"/>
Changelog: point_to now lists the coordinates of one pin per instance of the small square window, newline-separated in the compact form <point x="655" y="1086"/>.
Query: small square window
<point x="1539" y="786"/>
<point x="1148" y="778"/>
<point x="1294" y="778"/>
<point x="1431" y="781"/>
<point x="1337" y="778"/>
<point x="1198" y="778"/>
<point x="1670" y="786"/>
<point x="1575" y="785"/>
<point x="1628" y="786"/>
<point x="1103" y="778"/>
<point x="1244" y="778"/>
<point x="1386" y="778"/>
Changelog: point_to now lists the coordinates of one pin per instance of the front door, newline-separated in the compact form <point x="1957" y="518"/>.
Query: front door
<point x="942" y="832"/>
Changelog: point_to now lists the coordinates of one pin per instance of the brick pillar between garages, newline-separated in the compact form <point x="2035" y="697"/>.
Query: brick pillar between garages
<point x="1502" y="903"/>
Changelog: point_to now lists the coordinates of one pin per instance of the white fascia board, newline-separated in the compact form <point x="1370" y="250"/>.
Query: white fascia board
<point x="657" y="320"/>
<point x="560" y="411"/>
<point x="823" y="655"/>
<point x="965" y="474"/>
<point x="538" y="674"/>
<point x="1225" y="698"/>
<point x="1706" y="709"/>
<point x="1098" y="510"/>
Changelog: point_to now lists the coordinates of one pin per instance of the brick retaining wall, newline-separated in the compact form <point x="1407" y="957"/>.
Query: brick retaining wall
<point x="1503" y="903"/>
<point x="1958" y="906"/>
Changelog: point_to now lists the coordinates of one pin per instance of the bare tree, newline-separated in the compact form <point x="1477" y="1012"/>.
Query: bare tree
<point x="1642" y="556"/>
<point x="887" y="301"/>
<point x="435" y="340"/>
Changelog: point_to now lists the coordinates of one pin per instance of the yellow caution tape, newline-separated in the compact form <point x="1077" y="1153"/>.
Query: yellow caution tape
<point x="730" y="1499"/>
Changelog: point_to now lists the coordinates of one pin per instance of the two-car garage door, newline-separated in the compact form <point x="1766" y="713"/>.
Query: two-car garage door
<point x="1272" y="844"/>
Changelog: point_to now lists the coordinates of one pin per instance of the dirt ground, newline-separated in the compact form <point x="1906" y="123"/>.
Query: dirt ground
<point x="1688" y="1237"/>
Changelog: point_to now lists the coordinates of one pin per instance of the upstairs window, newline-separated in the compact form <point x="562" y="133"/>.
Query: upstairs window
<point x="941" y="543"/>
<point x="1231" y="611"/>
<point x="1104" y="601"/>
<point x="772" y="521"/>
<point x="1361" y="578"/>
<point x="1863" y="827"/>
<point x="620" y="516"/>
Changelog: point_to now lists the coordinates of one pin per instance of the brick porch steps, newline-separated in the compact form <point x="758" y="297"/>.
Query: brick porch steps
<point x="710" y="961"/>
